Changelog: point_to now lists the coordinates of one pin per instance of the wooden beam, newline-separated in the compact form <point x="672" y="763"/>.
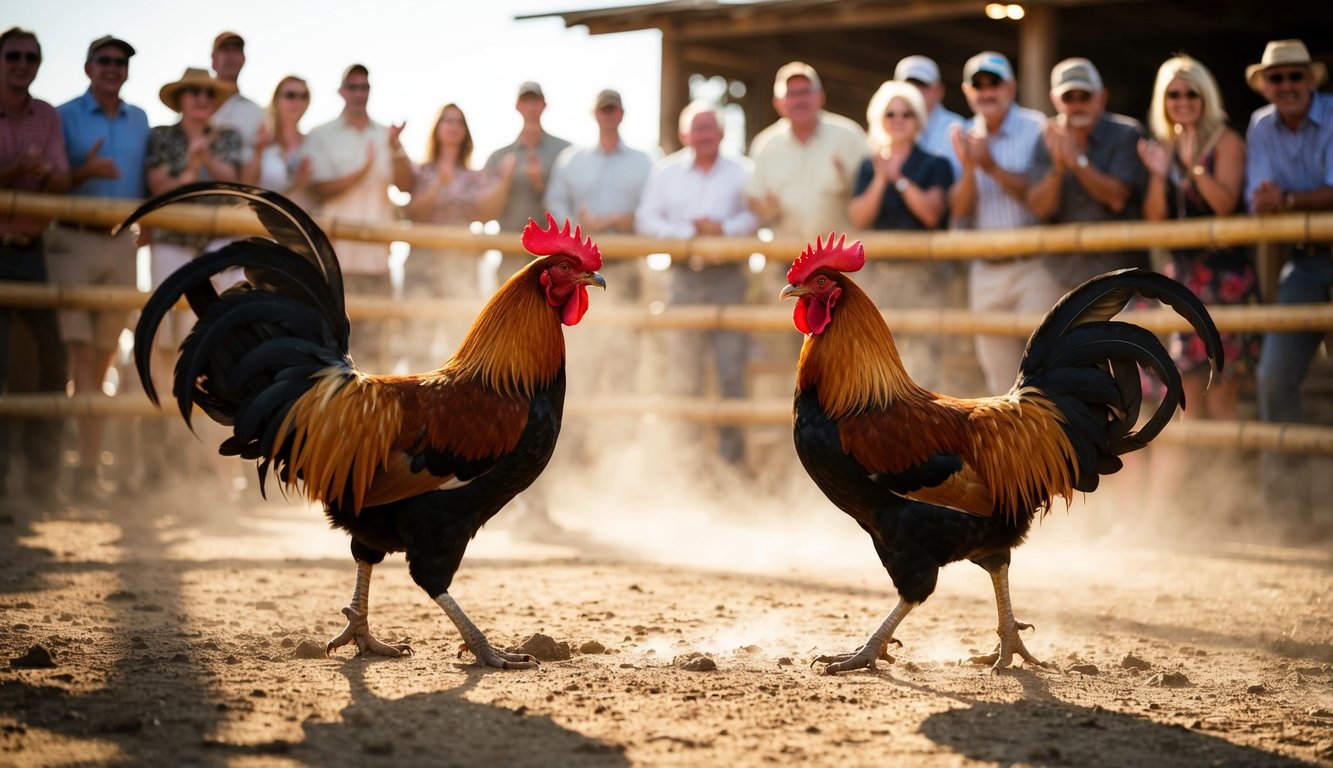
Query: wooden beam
<point x="1036" y="57"/>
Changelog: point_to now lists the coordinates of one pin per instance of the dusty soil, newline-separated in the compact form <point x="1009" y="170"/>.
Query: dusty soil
<point x="176" y="629"/>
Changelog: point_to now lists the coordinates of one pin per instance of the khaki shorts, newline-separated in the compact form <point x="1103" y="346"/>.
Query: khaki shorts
<point x="91" y="257"/>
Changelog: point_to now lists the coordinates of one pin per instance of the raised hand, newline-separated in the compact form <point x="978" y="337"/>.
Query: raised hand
<point x="95" y="166"/>
<point x="1155" y="157"/>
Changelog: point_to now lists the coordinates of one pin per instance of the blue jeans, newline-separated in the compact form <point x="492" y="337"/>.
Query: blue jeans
<point x="1285" y="357"/>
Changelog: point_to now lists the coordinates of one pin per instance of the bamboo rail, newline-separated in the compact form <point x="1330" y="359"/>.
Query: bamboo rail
<point x="1236" y="435"/>
<point x="215" y="220"/>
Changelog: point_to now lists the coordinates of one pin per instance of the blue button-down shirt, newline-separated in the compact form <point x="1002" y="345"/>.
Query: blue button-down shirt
<point x="1296" y="161"/>
<point x="124" y="140"/>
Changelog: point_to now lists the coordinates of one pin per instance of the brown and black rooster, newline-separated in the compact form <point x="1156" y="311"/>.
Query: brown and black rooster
<point x="936" y="479"/>
<point x="412" y="463"/>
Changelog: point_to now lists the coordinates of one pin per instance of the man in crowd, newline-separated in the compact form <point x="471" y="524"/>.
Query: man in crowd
<point x="699" y="191"/>
<point x="106" y="139"/>
<point x="32" y="159"/>
<point x="1289" y="167"/>
<point x="995" y="149"/>
<point x="353" y="161"/>
<point x="237" y="112"/>
<point x="525" y="167"/>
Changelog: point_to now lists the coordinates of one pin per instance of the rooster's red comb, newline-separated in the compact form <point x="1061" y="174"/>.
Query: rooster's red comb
<point x="552" y="240"/>
<point x="842" y="258"/>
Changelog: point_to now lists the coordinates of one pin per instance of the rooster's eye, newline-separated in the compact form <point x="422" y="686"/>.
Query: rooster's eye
<point x="821" y="282"/>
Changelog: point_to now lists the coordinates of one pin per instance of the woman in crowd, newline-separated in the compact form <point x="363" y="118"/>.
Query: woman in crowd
<point x="1196" y="167"/>
<point x="448" y="192"/>
<point x="901" y="186"/>
<point x="190" y="150"/>
<point x="278" y="164"/>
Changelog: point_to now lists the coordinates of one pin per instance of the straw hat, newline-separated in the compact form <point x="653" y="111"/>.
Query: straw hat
<point x="170" y="93"/>
<point x="1285" y="53"/>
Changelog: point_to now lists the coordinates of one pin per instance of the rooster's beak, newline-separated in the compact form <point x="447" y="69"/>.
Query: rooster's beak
<point x="792" y="292"/>
<point x="594" y="278"/>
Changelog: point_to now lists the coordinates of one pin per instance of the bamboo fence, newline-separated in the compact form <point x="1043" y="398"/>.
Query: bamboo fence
<point x="953" y="245"/>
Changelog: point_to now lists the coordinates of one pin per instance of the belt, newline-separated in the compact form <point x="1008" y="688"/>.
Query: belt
<point x="13" y="240"/>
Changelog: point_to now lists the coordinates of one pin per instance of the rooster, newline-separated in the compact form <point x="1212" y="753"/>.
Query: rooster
<point x="936" y="479"/>
<point x="412" y="463"/>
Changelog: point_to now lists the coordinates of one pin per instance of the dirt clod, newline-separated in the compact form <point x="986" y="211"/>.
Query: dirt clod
<point x="1133" y="662"/>
<point x="543" y="648"/>
<point x="37" y="657"/>
<point x="309" y="649"/>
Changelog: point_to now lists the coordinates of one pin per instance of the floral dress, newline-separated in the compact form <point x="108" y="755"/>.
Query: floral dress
<point x="1219" y="276"/>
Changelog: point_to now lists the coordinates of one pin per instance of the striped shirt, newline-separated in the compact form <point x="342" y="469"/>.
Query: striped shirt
<point x="1011" y="147"/>
<point x="35" y="124"/>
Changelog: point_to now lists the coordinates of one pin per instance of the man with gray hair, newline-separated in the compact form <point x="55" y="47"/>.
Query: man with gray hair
<point x="699" y="191"/>
<point x="1086" y="168"/>
<point x="995" y="150"/>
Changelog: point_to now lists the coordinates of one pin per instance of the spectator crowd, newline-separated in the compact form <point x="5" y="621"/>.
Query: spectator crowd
<point x="913" y="166"/>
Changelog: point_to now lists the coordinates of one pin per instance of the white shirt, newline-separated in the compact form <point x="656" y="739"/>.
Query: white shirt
<point x="243" y="116"/>
<point x="678" y="192"/>
<point x="337" y="149"/>
<point x="1011" y="147"/>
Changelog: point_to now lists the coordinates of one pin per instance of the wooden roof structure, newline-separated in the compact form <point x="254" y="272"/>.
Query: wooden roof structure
<point x="854" y="45"/>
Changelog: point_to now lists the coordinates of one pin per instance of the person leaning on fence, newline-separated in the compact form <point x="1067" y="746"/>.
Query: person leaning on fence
<point x="903" y="186"/>
<point x="995" y="149"/>
<point x="107" y="140"/>
<point x="354" y="159"/>
<point x="1290" y="168"/>
<point x="701" y="191"/>
<point x="32" y="159"/>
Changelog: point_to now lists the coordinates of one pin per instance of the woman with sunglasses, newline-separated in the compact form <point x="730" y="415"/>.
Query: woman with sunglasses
<point x="903" y="186"/>
<point x="278" y="163"/>
<point x="1196" y="167"/>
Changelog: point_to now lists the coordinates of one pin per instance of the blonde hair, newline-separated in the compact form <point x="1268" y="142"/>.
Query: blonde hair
<point x="271" y="114"/>
<point x="879" y="103"/>
<point x="1212" y="118"/>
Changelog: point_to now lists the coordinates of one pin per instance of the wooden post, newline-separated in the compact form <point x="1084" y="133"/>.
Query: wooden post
<point x="675" y="92"/>
<point x="1036" y="56"/>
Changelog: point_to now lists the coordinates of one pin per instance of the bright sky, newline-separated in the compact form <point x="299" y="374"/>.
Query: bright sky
<point x="421" y="54"/>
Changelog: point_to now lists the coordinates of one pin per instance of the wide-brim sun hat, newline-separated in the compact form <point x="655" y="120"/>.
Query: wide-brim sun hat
<point x="1285" y="53"/>
<point x="198" y="78"/>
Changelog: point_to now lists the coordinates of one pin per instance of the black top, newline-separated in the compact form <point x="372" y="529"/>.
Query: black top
<point x="926" y="170"/>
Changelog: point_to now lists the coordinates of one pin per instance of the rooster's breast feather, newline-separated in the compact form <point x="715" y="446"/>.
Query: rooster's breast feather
<point x="1006" y="454"/>
<point x="357" y="440"/>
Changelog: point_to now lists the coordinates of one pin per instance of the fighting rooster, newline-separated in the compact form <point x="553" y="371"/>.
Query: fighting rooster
<point x="936" y="479"/>
<point x="411" y="464"/>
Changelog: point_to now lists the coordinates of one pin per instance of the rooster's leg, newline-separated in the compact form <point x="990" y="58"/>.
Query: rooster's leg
<point x="476" y="641"/>
<point x="358" y="622"/>
<point x="875" y="648"/>
<point x="1010" y="643"/>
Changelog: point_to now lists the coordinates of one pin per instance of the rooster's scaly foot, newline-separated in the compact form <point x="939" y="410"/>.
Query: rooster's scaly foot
<point x="862" y="658"/>
<point x="358" y="631"/>
<point x="1009" y="645"/>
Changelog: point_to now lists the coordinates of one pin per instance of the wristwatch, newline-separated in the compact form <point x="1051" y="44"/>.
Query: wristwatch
<point x="902" y="184"/>
<point x="1081" y="161"/>
<point x="1198" y="170"/>
<point x="1289" y="200"/>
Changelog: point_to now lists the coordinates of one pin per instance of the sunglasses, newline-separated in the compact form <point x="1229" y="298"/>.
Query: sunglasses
<point x="1176" y="95"/>
<point x="194" y="90"/>
<point x="28" y="56"/>
<point x="1274" y="78"/>
<point x="357" y="86"/>
<point x="111" y="61"/>
<point x="1075" y="97"/>
<point x="296" y="95"/>
<point x="895" y="115"/>
<point x="982" y="83"/>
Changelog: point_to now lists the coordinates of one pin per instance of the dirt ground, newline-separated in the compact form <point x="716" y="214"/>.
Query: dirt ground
<point x="176" y="629"/>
